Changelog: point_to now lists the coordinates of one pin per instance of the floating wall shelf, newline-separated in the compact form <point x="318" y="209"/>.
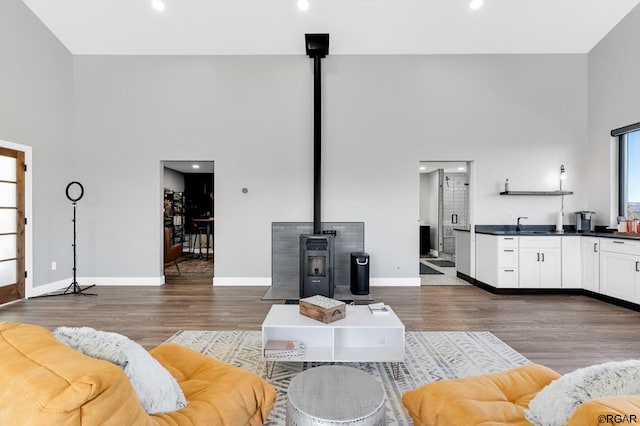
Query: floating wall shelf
<point x="536" y="193"/>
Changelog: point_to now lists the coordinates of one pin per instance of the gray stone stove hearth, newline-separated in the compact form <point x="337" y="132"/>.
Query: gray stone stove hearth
<point x="285" y="257"/>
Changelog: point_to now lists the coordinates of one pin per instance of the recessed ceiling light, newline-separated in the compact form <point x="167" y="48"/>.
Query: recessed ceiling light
<point x="158" y="5"/>
<point x="461" y="169"/>
<point x="423" y="168"/>
<point x="195" y="166"/>
<point x="303" y="4"/>
<point x="476" y="4"/>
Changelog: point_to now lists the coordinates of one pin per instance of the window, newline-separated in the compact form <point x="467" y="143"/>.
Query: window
<point x="629" y="171"/>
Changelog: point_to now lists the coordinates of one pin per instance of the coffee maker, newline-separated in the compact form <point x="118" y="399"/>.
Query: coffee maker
<point x="585" y="221"/>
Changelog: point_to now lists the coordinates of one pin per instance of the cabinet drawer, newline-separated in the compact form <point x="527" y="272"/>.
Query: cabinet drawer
<point x="508" y="277"/>
<point x="539" y="242"/>
<point x="619" y="246"/>
<point x="508" y="258"/>
<point x="508" y="242"/>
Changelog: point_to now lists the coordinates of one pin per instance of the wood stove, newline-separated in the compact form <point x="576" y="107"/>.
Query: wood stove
<point x="316" y="265"/>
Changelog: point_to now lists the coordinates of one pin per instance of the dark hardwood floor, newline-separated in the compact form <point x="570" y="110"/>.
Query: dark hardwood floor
<point x="560" y="331"/>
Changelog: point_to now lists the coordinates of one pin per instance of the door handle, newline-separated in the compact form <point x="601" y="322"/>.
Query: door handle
<point x="543" y="257"/>
<point x="595" y="247"/>
<point x="618" y="242"/>
<point x="454" y="218"/>
<point x="637" y="266"/>
<point x="538" y="257"/>
<point x="508" y="251"/>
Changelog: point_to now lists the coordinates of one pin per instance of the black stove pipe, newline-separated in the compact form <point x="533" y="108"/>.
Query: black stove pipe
<point x="317" y="46"/>
<point x="317" y="143"/>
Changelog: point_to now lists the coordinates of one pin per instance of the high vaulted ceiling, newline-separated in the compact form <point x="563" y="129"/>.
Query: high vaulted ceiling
<point x="276" y="27"/>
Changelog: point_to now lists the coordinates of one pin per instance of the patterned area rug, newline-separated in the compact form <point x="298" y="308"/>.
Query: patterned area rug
<point x="190" y="266"/>
<point x="429" y="356"/>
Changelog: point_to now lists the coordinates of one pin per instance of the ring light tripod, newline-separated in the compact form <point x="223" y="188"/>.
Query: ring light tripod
<point x="74" y="192"/>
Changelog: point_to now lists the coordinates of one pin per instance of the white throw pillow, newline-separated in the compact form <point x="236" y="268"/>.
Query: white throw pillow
<point x="157" y="390"/>
<point x="557" y="401"/>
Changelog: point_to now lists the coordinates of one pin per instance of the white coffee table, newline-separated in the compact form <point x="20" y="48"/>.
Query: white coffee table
<point x="335" y="395"/>
<point x="359" y="337"/>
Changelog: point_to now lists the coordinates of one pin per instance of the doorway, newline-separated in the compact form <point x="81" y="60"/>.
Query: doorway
<point x="444" y="208"/>
<point x="188" y="221"/>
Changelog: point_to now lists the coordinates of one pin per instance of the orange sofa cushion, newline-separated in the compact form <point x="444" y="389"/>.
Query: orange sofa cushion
<point x="42" y="381"/>
<point x="217" y="393"/>
<point x="491" y="399"/>
<point x="588" y="414"/>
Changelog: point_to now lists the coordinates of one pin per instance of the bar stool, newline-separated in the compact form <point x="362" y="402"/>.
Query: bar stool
<point x="200" y="230"/>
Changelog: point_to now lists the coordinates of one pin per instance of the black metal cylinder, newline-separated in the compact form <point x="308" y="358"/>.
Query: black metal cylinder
<point x="359" y="273"/>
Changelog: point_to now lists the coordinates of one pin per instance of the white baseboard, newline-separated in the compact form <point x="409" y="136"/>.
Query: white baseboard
<point x="395" y="282"/>
<point x="123" y="281"/>
<point x="60" y="285"/>
<point x="217" y="281"/>
<point x="49" y="288"/>
<point x="242" y="281"/>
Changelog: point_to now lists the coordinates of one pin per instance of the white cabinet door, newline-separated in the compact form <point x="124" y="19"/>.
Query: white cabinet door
<point x="529" y="268"/>
<point x="619" y="275"/>
<point x="550" y="268"/>
<point x="590" y="259"/>
<point x="571" y="262"/>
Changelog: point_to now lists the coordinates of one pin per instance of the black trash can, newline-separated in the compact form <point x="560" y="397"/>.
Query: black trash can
<point x="359" y="273"/>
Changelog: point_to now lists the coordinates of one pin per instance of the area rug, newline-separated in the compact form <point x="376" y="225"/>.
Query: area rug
<point x="428" y="270"/>
<point x="429" y="356"/>
<point x="190" y="266"/>
<point x="441" y="263"/>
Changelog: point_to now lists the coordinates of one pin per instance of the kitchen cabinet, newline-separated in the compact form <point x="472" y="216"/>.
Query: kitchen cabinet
<point x="571" y="262"/>
<point x="620" y="269"/>
<point x="605" y="264"/>
<point x="590" y="263"/>
<point x="497" y="260"/>
<point x="540" y="262"/>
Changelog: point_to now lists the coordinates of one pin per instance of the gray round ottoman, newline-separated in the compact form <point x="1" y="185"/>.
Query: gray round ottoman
<point x="335" y="395"/>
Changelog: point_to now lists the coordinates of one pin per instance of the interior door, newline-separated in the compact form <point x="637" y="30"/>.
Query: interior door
<point x="12" y="238"/>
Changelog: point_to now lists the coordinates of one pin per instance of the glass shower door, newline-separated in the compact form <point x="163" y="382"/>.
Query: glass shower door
<point x="454" y="207"/>
<point x="12" y="253"/>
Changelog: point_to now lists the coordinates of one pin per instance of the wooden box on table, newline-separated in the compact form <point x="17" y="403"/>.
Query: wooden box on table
<point x="323" y="309"/>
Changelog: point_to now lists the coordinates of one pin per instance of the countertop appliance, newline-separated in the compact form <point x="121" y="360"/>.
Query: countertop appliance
<point x="585" y="221"/>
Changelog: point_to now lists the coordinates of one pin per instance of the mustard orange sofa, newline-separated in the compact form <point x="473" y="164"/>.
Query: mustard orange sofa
<point x="501" y="399"/>
<point x="42" y="381"/>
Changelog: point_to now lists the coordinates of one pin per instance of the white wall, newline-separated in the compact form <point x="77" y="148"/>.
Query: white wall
<point x="614" y="101"/>
<point x="36" y="76"/>
<point x="516" y="116"/>
<point x="173" y="180"/>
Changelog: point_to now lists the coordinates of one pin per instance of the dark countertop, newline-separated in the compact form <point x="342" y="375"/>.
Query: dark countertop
<point x="547" y="230"/>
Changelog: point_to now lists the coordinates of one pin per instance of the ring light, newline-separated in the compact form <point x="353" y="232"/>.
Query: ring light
<point x="75" y="191"/>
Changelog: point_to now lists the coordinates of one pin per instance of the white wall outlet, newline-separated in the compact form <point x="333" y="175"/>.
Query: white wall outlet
<point x="54" y="266"/>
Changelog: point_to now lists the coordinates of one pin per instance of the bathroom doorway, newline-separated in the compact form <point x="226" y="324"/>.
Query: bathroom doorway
<point x="188" y="221"/>
<point x="444" y="208"/>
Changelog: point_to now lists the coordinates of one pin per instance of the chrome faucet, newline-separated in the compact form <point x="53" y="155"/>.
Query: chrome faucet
<point x="518" y="226"/>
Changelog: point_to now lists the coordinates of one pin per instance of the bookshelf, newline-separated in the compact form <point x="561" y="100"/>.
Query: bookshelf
<point x="174" y="215"/>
